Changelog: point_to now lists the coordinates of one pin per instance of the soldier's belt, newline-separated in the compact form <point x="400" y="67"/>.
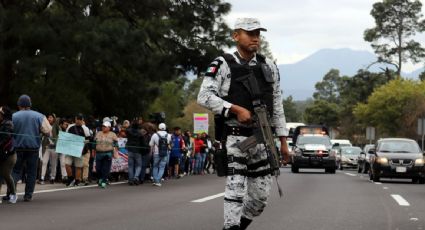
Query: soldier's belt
<point x="240" y="160"/>
<point x="243" y="172"/>
<point x="239" y="131"/>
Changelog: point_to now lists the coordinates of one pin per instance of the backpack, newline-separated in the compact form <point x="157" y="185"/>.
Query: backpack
<point x="6" y="149"/>
<point x="6" y="141"/>
<point x="163" y="145"/>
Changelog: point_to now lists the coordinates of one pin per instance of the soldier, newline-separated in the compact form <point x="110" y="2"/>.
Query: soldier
<point x="223" y="91"/>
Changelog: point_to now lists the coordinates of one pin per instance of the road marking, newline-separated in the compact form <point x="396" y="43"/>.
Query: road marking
<point x="400" y="200"/>
<point x="208" y="198"/>
<point x="67" y="189"/>
<point x="414" y="219"/>
<point x="385" y="187"/>
<point x="350" y="174"/>
<point x="377" y="182"/>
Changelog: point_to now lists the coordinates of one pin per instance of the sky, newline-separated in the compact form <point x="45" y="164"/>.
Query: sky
<point x="298" y="28"/>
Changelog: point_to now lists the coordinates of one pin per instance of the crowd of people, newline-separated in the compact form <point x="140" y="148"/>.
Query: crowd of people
<point x="132" y="150"/>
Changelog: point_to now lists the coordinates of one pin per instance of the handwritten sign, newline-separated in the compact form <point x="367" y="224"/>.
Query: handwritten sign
<point x="70" y="144"/>
<point x="200" y="122"/>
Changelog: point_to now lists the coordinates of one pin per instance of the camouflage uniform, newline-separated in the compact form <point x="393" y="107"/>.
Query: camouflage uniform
<point x="245" y="196"/>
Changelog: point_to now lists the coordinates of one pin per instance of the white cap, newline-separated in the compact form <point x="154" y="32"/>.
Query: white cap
<point x="248" y="24"/>
<point x="107" y="119"/>
<point x="162" y="126"/>
<point x="107" y="124"/>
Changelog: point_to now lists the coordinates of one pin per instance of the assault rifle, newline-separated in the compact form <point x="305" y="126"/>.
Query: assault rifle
<point x="263" y="131"/>
<point x="263" y="135"/>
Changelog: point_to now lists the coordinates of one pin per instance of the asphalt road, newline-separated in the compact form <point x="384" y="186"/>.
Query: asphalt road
<point x="312" y="200"/>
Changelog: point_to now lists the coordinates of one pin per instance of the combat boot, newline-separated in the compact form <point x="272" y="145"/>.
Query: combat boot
<point x="244" y="223"/>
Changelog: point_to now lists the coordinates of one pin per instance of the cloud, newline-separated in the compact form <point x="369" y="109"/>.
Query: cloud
<point x="299" y="28"/>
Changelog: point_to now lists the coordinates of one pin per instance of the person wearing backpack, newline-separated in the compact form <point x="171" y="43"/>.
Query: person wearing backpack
<point x="7" y="154"/>
<point x="160" y="146"/>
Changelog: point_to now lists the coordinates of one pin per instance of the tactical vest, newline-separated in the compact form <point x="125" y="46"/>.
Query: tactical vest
<point x="239" y="94"/>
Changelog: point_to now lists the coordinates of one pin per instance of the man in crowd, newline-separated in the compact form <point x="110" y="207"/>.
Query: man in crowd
<point x="77" y="129"/>
<point x="160" y="145"/>
<point x="145" y="149"/>
<point x="27" y="126"/>
<point x="177" y="146"/>
<point x="134" y="136"/>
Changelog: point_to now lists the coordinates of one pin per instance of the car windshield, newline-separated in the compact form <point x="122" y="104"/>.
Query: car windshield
<point x="322" y="140"/>
<point x="350" y="151"/>
<point x="399" y="147"/>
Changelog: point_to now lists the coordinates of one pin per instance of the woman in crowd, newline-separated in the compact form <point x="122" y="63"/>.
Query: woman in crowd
<point x="7" y="155"/>
<point x="188" y="141"/>
<point x="106" y="144"/>
<point x="198" y="144"/>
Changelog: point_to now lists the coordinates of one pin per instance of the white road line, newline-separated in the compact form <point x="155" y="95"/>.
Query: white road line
<point x="350" y="174"/>
<point x="400" y="200"/>
<point x="385" y="187"/>
<point x="67" y="189"/>
<point x="377" y="182"/>
<point x="208" y="198"/>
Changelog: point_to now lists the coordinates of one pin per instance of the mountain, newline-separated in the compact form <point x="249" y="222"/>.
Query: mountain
<point x="298" y="79"/>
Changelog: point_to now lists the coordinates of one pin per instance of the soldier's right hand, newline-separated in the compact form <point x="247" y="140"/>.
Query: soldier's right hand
<point x="243" y="115"/>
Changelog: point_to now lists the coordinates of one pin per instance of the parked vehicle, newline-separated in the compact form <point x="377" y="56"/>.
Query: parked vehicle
<point x="364" y="159"/>
<point x="347" y="157"/>
<point x="397" y="158"/>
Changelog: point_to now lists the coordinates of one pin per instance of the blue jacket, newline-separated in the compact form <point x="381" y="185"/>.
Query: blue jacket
<point x="27" y="125"/>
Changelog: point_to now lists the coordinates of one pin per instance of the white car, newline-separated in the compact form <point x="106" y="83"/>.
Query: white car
<point x="341" y="142"/>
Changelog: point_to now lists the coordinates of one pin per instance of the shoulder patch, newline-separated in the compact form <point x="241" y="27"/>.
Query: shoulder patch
<point x="212" y="69"/>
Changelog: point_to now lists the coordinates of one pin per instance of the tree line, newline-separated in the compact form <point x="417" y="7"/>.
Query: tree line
<point x="105" y="57"/>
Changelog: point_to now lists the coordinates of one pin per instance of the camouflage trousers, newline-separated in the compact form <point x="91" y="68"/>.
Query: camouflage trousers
<point x="246" y="195"/>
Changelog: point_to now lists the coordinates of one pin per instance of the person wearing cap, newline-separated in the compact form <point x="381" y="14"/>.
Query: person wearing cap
<point x="28" y="124"/>
<point x="7" y="154"/>
<point x="159" y="162"/>
<point x="77" y="129"/>
<point x="223" y="91"/>
<point x="106" y="144"/>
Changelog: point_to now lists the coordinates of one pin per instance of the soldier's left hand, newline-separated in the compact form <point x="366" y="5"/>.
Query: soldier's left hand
<point x="285" y="153"/>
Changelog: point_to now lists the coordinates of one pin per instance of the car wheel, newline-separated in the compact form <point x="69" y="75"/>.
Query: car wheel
<point x="415" y="180"/>
<point x="340" y="167"/>
<point x="294" y="169"/>
<point x="332" y="171"/>
<point x="422" y="180"/>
